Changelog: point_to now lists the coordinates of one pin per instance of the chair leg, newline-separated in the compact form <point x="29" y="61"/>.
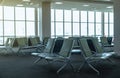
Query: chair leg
<point x="94" y="69"/>
<point x="61" y="68"/>
<point x="71" y="66"/>
<point x="37" y="60"/>
<point x="110" y="61"/>
<point x="80" y="67"/>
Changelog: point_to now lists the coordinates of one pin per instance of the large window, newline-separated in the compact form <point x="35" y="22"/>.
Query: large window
<point x="17" y="22"/>
<point x="108" y="24"/>
<point x="68" y="23"/>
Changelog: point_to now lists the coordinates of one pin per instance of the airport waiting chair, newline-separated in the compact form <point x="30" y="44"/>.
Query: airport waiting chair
<point x="21" y="44"/>
<point x="48" y="49"/>
<point x="106" y="43"/>
<point x="8" y="46"/>
<point x="63" y="56"/>
<point x="89" y="57"/>
<point x="98" y="48"/>
<point x="34" y="41"/>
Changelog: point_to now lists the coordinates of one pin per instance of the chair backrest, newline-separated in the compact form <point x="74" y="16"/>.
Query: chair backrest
<point x="104" y="41"/>
<point x="58" y="45"/>
<point x="66" y="48"/>
<point x="45" y="40"/>
<point x="76" y="43"/>
<point x="97" y="46"/>
<point x="9" y="42"/>
<point x="109" y="39"/>
<point x="21" y="42"/>
<point x="50" y="45"/>
<point x="33" y="41"/>
<point x="85" y="47"/>
<point x="90" y="44"/>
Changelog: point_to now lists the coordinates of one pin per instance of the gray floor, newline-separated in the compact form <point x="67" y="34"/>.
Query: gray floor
<point x="22" y="66"/>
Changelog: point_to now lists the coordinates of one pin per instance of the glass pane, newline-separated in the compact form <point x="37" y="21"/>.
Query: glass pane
<point x="91" y="29"/>
<point x="83" y="16"/>
<point x="30" y="28"/>
<point x="98" y="30"/>
<point x="20" y="13"/>
<point x="90" y="16"/>
<point x="1" y="12"/>
<point x="1" y="40"/>
<point x="5" y="39"/>
<point x="76" y="30"/>
<point x="83" y="29"/>
<point x="1" y="28"/>
<point x="9" y="28"/>
<point x="67" y="15"/>
<point x="52" y="29"/>
<point x="106" y="29"/>
<point x="67" y="30"/>
<point x="76" y="16"/>
<point x="59" y="15"/>
<point x="9" y="10"/>
<point x="111" y="30"/>
<point x="59" y="29"/>
<point x="20" y="28"/>
<point x="111" y="17"/>
<point x="98" y="17"/>
<point x="52" y="15"/>
<point x="106" y="17"/>
<point x="30" y="14"/>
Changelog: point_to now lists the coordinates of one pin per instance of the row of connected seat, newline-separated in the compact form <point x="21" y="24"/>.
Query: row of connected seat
<point x="107" y="43"/>
<point x="19" y="44"/>
<point x="60" y="49"/>
<point x="87" y="53"/>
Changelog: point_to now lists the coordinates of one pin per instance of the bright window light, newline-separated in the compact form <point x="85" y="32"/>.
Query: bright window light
<point x="58" y="3"/>
<point x="26" y="0"/>
<point x="85" y="5"/>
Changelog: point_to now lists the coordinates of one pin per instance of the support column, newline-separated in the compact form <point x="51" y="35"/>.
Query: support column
<point x="117" y="26"/>
<point x="46" y="20"/>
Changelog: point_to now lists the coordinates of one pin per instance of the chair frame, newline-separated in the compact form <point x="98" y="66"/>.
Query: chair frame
<point x="63" y="56"/>
<point x="89" y="57"/>
<point x="47" y="50"/>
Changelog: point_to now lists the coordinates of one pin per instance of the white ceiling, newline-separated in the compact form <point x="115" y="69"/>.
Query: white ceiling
<point x="98" y="5"/>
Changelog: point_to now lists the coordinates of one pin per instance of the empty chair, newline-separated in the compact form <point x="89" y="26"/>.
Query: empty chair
<point x="48" y="49"/>
<point x="34" y="41"/>
<point x="89" y="57"/>
<point x="106" y="43"/>
<point x="8" y="46"/>
<point x="63" y="55"/>
<point x="98" y="48"/>
<point x="21" y="43"/>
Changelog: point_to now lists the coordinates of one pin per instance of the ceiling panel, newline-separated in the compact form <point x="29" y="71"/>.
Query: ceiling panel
<point x="99" y="5"/>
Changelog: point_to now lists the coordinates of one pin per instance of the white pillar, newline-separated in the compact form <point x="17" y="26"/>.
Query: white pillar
<point x="45" y="29"/>
<point x="117" y="26"/>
